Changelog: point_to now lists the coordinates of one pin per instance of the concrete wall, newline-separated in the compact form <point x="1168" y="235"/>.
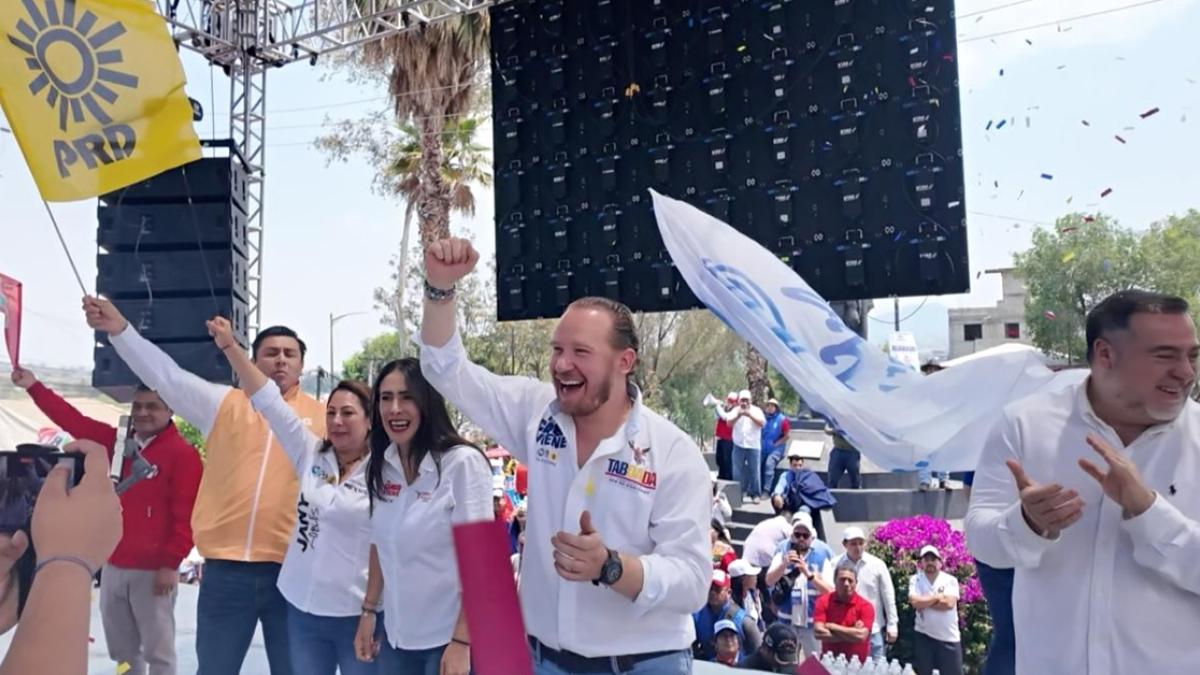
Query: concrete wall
<point x="992" y="320"/>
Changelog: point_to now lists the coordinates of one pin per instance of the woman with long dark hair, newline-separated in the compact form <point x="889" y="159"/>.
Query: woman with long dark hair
<point x="324" y="573"/>
<point x="422" y="479"/>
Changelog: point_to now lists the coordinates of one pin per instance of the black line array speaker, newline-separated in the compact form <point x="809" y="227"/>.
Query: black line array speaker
<point x="826" y="130"/>
<point x="172" y="252"/>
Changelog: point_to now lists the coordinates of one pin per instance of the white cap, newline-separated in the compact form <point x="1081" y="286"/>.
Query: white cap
<point x="744" y="394"/>
<point x="774" y="402"/>
<point x="927" y="550"/>
<point x="853" y="533"/>
<point x="742" y="568"/>
<point x="732" y="396"/>
<point x="804" y="519"/>
<point x="724" y="624"/>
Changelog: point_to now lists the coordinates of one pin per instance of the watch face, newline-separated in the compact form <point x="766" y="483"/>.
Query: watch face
<point x="612" y="571"/>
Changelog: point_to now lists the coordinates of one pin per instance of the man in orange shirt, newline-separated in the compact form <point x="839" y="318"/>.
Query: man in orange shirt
<point x="842" y="619"/>
<point x="246" y="508"/>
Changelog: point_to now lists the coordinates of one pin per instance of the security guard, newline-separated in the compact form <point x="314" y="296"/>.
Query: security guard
<point x="617" y="547"/>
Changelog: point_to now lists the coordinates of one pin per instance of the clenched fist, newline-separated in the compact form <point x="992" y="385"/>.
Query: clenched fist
<point x="102" y="315"/>
<point x="448" y="260"/>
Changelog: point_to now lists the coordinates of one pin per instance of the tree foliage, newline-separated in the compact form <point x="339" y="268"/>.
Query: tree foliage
<point x="1070" y="268"/>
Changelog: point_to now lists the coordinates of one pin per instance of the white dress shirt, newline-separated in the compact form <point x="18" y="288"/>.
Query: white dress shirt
<point x="1109" y="596"/>
<point x="939" y="624"/>
<point x="325" y="569"/>
<point x="649" y="493"/>
<point x="412" y="533"/>
<point x="746" y="434"/>
<point x="875" y="585"/>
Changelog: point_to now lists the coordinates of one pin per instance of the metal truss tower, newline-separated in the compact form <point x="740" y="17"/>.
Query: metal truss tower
<point x="246" y="38"/>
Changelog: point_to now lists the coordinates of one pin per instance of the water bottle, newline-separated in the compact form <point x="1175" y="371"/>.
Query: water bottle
<point x="908" y="670"/>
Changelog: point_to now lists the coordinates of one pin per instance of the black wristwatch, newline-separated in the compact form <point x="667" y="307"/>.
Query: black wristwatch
<point x="611" y="571"/>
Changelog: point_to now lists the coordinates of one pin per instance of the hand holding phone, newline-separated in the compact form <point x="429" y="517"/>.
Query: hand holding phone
<point x="84" y="522"/>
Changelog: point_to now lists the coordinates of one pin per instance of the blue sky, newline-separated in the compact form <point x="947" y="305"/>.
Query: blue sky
<point x="328" y="237"/>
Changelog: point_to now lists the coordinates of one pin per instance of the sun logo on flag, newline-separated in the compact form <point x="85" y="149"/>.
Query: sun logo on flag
<point x="70" y="62"/>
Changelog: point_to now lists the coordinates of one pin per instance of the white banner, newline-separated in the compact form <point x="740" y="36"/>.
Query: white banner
<point x="898" y="418"/>
<point x="902" y="347"/>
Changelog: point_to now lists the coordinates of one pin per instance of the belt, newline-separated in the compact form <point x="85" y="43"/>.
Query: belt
<point x="576" y="664"/>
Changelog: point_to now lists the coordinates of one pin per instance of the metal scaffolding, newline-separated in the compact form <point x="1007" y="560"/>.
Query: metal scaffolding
<point x="246" y="38"/>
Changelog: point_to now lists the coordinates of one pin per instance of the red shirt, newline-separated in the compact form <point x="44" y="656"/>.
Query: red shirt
<point x="724" y="430"/>
<point x="157" y="512"/>
<point x="831" y="610"/>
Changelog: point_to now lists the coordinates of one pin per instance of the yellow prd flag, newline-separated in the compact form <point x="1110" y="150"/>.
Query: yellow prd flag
<point x="93" y="90"/>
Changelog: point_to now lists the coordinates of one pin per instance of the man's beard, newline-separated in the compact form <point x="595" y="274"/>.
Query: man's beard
<point x="588" y="406"/>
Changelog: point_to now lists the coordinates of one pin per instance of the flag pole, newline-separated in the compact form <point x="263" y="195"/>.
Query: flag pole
<point x="54" y="222"/>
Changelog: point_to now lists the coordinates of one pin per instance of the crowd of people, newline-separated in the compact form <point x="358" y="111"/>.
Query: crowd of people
<point x="330" y="523"/>
<point x="789" y="596"/>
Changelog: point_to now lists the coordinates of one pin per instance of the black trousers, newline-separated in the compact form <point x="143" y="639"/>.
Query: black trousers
<point x="930" y="654"/>
<point x="724" y="459"/>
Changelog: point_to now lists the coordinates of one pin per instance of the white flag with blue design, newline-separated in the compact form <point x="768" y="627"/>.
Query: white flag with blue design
<point x="898" y="418"/>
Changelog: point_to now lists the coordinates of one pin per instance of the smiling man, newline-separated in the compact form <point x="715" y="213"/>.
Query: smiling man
<point x="1091" y="494"/>
<point x="617" y="547"/>
<point x="246" y="508"/>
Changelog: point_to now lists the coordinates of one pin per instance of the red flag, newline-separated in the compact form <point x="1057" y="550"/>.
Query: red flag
<point x="10" y="307"/>
<point x="489" y="597"/>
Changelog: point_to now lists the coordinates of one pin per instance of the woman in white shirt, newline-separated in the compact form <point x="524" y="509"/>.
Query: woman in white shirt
<point x="423" y="478"/>
<point x="324" y="573"/>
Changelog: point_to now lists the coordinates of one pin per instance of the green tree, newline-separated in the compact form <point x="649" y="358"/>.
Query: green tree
<point x="191" y="434"/>
<point x="1172" y="247"/>
<point x="375" y="352"/>
<point x="1069" y="269"/>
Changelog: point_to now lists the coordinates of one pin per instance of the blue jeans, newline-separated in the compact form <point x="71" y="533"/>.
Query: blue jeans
<point x="393" y="661"/>
<point x="769" y="461"/>
<point x="878" y="648"/>
<point x="677" y="663"/>
<point x="746" y="469"/>
<point x="323" y="645"/>
<point x="234" y="597"/>
<point x="997" y="588"/>
<point x="924" y="475"/>
<point x="844" y="460"/>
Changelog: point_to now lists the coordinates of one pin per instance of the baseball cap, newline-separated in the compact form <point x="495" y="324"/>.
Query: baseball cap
<point x="724" y="624"/>
<point x="783" y="644"/>
<point x="927" y="550"/>
<point x="720" y="578"/>
<point x="742" y="567"/>
<point x="732" y="396"/>
<point x="774" y="402"/>
<point x="853" y="533"/>
<point x="744" y="394"/>
<point x="804" y="519"/>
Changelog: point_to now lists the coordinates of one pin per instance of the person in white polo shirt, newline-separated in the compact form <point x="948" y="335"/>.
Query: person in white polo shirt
<point x="747" y="421"/>
<point x="875" y="585"/>
<point x="324" y="572"/>
<point x="617" y="553"/>
<point x="933" y="594"/>
<point x="422" y="478"/>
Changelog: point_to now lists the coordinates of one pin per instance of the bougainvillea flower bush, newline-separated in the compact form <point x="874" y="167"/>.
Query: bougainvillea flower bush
<point x="897" y="543"/>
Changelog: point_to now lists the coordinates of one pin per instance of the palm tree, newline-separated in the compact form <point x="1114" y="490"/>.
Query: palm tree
<point x="435" y="74"/>
<point x="463" y="163"/>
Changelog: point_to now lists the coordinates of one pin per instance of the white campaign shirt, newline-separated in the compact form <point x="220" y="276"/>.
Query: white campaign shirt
<point x="647" y="488"/>
<point x="939" y="624"/>
<point x="1109" y="596"/>
<point x="746" y="434"/>
<point x="325" y="569"/>
<point x="875" y="585"/>
<point x="411" y="531"/>
<point x="763" y="540"/>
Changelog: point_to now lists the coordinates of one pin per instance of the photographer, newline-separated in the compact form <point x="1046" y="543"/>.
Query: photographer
<point x="800" y="572"/>
<point x="74" y="531"/>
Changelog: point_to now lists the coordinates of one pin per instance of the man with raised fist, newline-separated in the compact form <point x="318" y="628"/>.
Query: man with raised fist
<point x="617" y="547"/>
